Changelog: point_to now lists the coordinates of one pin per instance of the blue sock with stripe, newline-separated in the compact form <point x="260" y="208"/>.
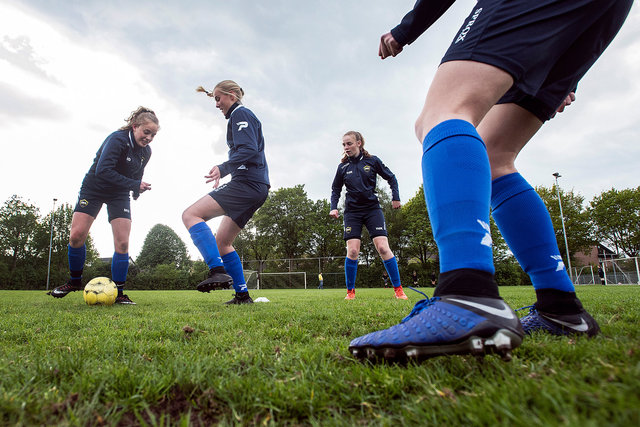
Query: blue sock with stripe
<point x="350" y="271"/>
<point x="525" y="224"/>
<point x="77" y="257"/>
<point x="391" y="265"/>
<point x="205" y="241"/>
<point x="233" y="266"/>
<point x="457" y="189"/>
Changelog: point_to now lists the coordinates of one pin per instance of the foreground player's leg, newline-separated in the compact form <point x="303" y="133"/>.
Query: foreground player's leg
<point x="466" y="314"/>
<point x="506" y="129"/>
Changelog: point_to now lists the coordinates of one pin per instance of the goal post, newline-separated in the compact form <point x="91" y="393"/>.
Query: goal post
<point x="288" y="280"/>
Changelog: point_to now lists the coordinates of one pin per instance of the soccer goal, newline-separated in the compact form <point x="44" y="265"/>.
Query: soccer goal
<point x="251" y="278"/>
<point x="289" y="280"/>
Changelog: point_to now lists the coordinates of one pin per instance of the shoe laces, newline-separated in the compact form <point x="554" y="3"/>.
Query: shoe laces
<point x="532" y="308"/>
<point x="421" y="305"/>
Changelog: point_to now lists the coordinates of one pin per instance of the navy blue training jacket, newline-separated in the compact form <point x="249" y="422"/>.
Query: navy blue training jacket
<point x="416" y="22"/>
<point x="358" y="175"/>
<point x="118" y="166"/>
<point x="247" y="161"/>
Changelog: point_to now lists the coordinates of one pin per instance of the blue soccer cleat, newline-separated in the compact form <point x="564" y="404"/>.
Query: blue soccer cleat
<point x="445" y="325"/>
<point x="559" y="324"/>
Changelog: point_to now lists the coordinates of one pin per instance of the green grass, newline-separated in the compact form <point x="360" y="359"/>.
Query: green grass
<point x="182" y="358"/>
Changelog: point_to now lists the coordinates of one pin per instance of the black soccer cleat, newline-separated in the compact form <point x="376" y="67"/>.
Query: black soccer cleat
<point x="217" y="279"/>
<point x="124" y="299"/>
<point x="62" y="291"/>
<point x="240" y="298"/>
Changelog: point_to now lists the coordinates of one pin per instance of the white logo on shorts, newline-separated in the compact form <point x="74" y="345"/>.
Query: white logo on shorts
<point x="466" y="29"/>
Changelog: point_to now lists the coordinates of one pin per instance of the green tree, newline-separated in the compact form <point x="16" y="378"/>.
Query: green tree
<point x="285" y="218"/>
<point x="616" y="216"/>
<point x="418" y="234"/>
<point x="18" y="222"/>
<point x="163" y="246"/>
<point x="253" y="244"/>
<point x="326" y="232"/>
<point x="576" y="219"/>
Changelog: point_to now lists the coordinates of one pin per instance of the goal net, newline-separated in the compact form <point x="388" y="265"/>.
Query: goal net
<point x="289" y="280"/>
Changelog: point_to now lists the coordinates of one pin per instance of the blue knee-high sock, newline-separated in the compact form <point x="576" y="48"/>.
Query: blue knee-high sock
<point x="233" y="266"/>
<point x="77" y="257"/>
<point x="205" y="241"/>
<point x="525" y="224"/>
<point x="391" y="265"/>
<point x="119" y="267"/>
<point x="350" y="271"/>
<point x="457" y="189"/>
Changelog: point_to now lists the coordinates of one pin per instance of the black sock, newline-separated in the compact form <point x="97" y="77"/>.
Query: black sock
<point x="468" y="282"/>
<point x="557" y="302"/>
<point x="120" y="286"/>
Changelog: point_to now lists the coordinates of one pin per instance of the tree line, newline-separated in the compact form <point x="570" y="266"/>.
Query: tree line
<point x="298" y="232"/>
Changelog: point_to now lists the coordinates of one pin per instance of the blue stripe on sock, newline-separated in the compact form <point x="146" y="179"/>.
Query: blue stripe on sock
<point x="525" y="224"/>
<point x="457" y="189"/>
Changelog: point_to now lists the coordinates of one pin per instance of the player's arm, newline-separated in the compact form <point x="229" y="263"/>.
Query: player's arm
<point x="414" y="23"/>
<point x="387" y="175"/>
<point x="144" y="186"/>
<point x="336" y="189"/>
<point x="106" y="167"/>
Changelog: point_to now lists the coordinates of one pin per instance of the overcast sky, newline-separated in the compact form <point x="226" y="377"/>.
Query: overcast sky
<point x="71" y="71"/>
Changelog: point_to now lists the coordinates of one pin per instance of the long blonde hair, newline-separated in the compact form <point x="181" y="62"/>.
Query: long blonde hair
<point x="140" y="116"/>
<point x="228" y="87"/>
<point x="358" y="136"/>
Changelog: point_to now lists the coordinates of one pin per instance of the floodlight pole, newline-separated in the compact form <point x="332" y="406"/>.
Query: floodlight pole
<point x="53" y="214"/>
<point x="564" y="231"/>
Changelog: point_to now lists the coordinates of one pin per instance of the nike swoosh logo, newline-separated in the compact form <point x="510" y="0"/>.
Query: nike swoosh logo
<point x="582" y="327"/>
<point x="504" y="312"/>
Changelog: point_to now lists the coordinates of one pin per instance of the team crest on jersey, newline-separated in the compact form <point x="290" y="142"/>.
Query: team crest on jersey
<point x="83" y="203"/>
<point x="347" y="229"/>
<point x="367" y="168"/>
<point x="128" y="159"/>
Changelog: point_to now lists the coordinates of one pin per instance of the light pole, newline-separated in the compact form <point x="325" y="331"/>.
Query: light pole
<point x="564" y="231"/>
<point x="53" y="214"/>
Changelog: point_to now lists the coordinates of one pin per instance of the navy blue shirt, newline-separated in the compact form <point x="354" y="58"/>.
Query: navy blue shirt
<point x="416" y="22"/>
<point x="358" y="175"/>
<point x="118" y="166"/>
<point x="247" y="161"/>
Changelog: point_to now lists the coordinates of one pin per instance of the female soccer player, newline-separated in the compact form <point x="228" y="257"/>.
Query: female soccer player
<point x="357" y="172"/>
<point x="510" y="67"/>
<point x="237" y="200"/>
<point x="116" y="171"/>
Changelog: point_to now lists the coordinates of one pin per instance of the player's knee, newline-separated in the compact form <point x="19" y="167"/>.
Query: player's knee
<point x="121" y="247"/>
<point x="76" y="239"/>
<point x="352" y="253"/>
<point x="188" y="218"/>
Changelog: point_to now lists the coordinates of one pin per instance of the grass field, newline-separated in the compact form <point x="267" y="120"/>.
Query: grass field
<point x="182" y="358"/>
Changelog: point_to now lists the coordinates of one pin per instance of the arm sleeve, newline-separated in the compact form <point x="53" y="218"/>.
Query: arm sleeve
<point x="388" y="176"/>
<point x="336" y="189"/>
<point x="416" y="22"/>
<point x="245" y="140"/>
<point x="106" y="168"/>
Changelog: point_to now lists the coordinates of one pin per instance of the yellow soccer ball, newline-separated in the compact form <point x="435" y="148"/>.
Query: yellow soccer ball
<point x="100" y="291"/>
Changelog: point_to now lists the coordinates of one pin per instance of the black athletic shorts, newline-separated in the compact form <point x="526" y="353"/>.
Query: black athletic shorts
<point x="118" y="206"/>
<point x="372" y="219"/>
<point x="240" y="199"/>
<point x="546" y="45"/>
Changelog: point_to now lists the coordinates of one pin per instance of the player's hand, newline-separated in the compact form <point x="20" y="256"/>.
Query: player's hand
<point x="388" y="46"/>
<point x="144" y="186"/>
<point x="214" y="175"/>
<point x="565" y="103"/>
<point x="334" y="213"/>
<point x="395" y="204"/>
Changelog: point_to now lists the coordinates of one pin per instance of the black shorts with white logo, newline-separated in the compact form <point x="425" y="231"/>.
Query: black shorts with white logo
<point x="546" y="45"/>
<point x="118" y="206"/>
<point x="240" y="199"/>
<point x="372" y="219"/>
